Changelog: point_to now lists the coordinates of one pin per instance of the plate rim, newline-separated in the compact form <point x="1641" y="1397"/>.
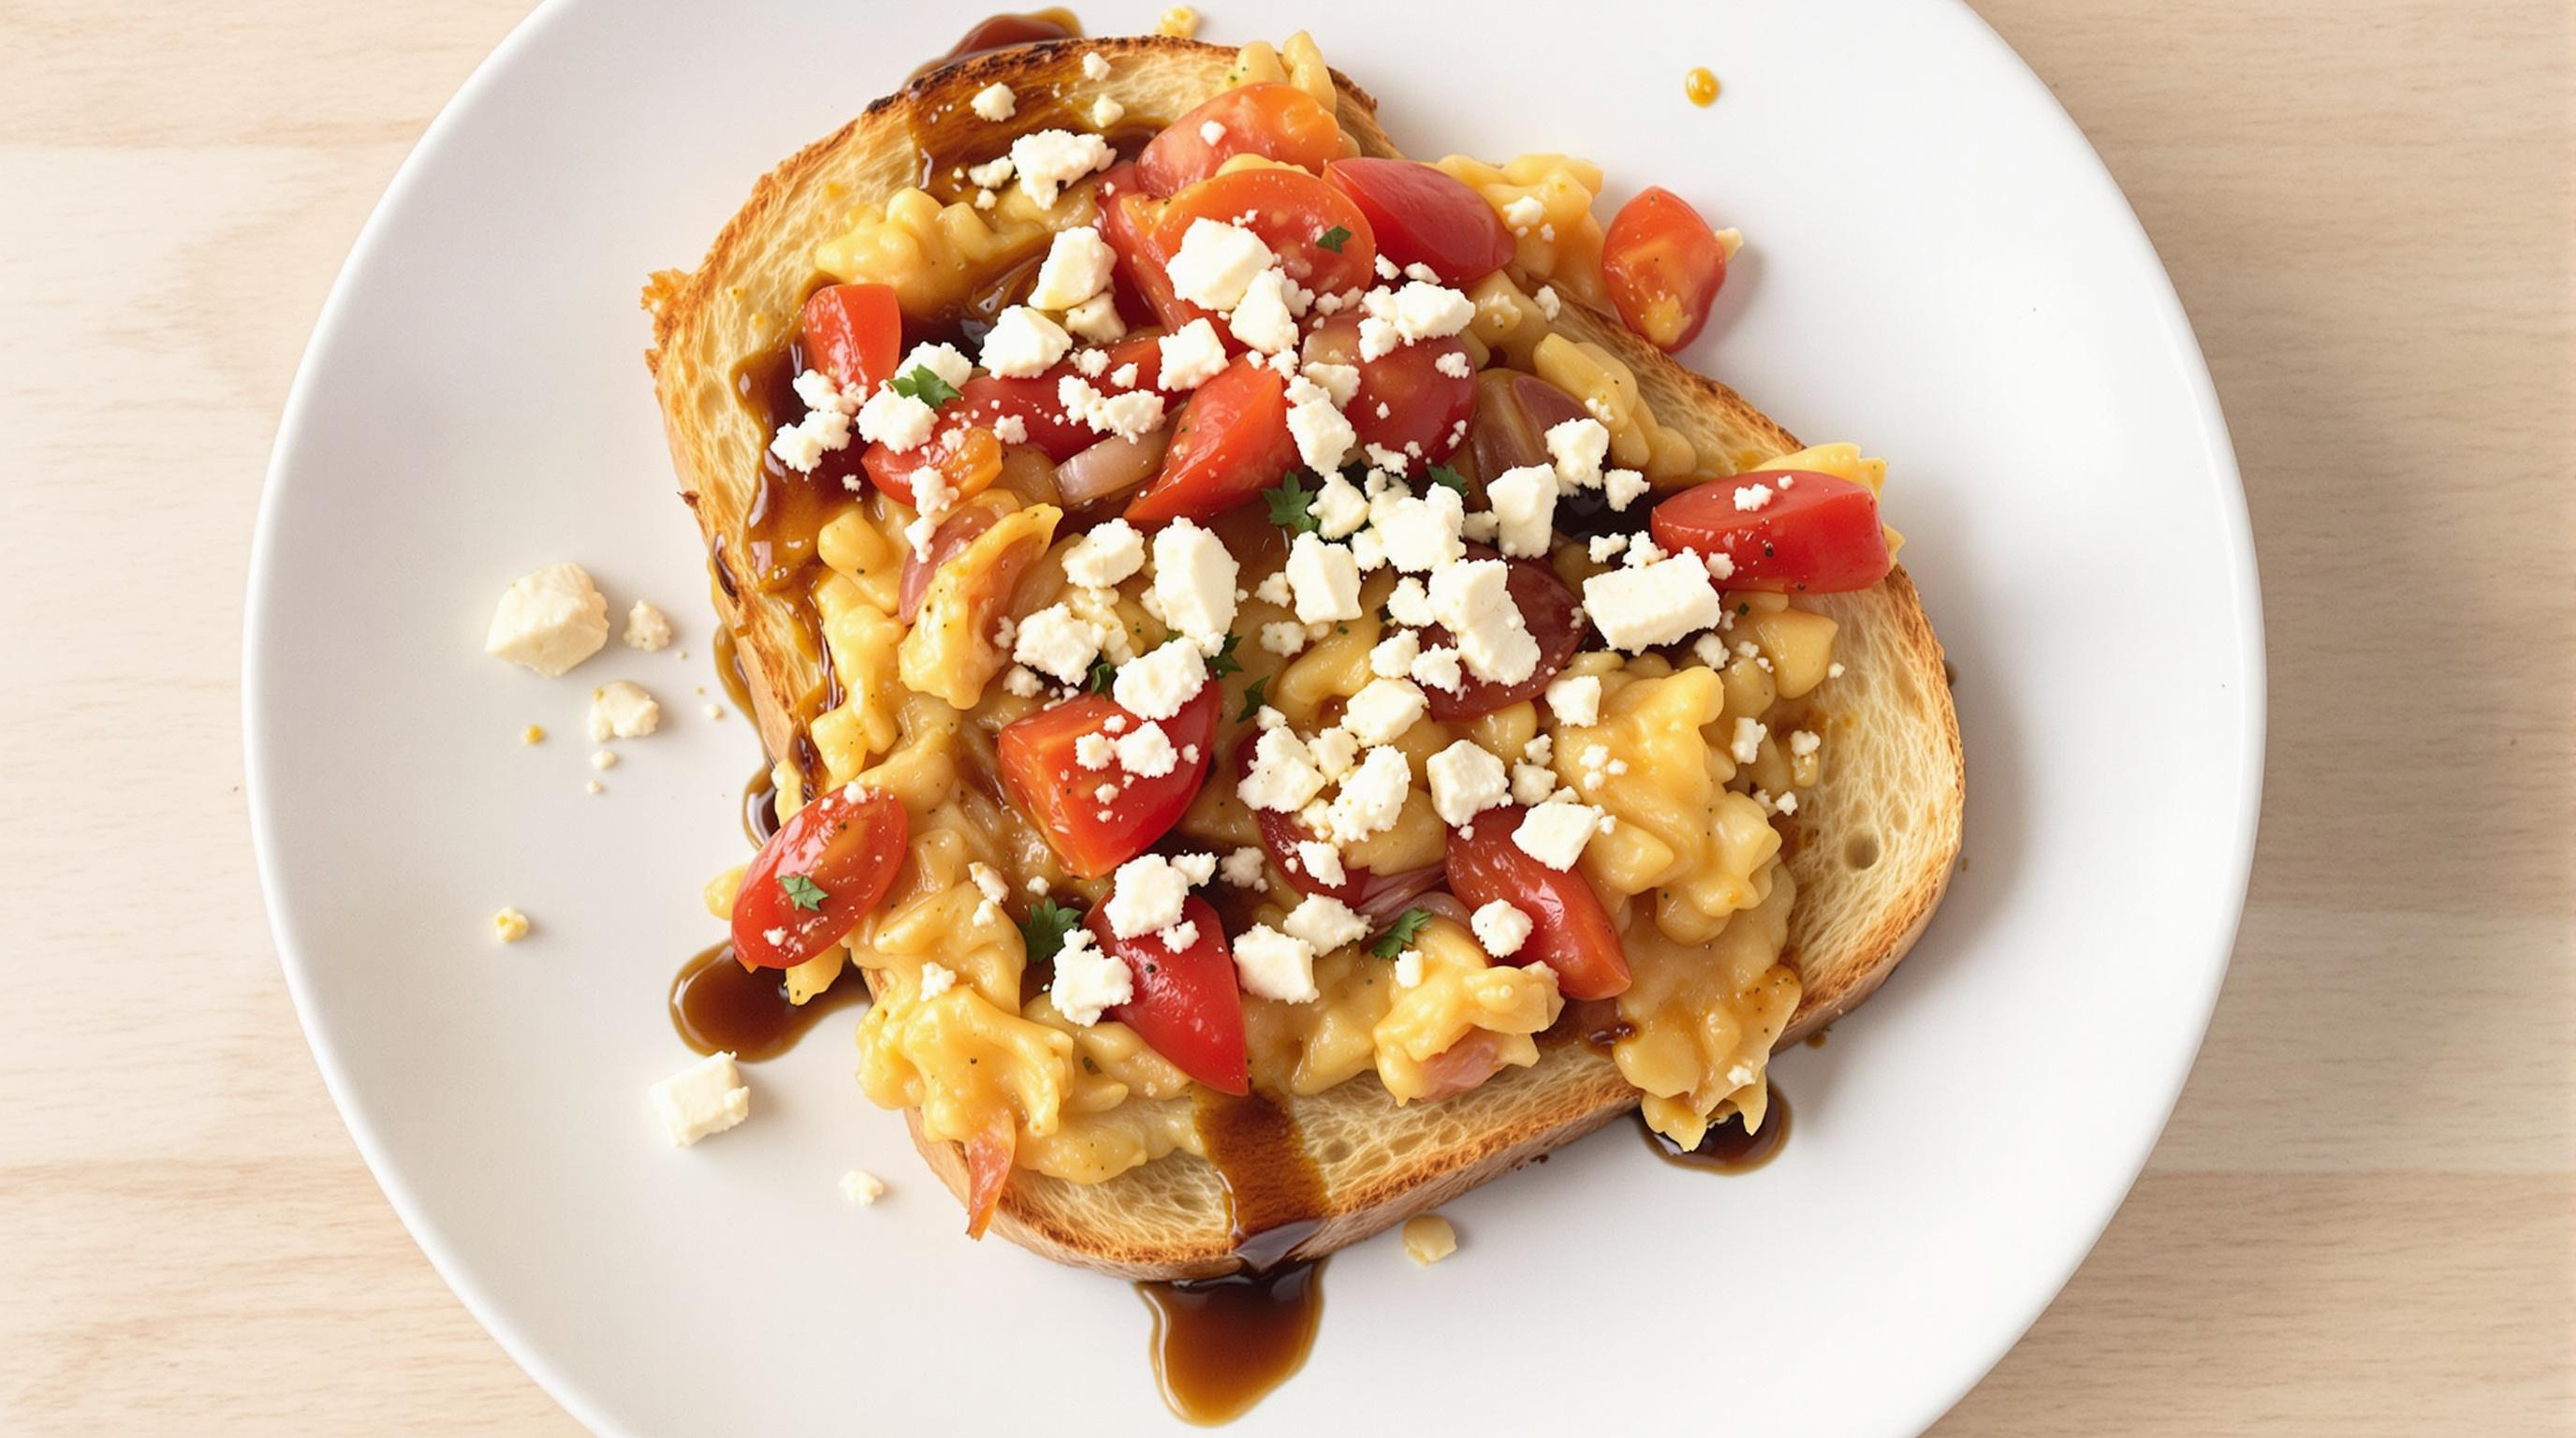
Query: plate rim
<point x="2250" y="665"/>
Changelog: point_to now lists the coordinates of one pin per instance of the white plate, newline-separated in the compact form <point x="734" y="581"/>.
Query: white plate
<point x="1940" y="269"/>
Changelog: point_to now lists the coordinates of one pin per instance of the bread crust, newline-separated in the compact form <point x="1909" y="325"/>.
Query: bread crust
<point x="1871" y="850"/>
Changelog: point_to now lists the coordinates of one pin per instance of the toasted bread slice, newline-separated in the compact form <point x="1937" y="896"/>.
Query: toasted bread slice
<point x="1871" y="847"/>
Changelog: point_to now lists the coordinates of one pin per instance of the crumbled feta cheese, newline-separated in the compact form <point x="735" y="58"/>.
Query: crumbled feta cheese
<point x="1194" y="580"/>
<point x="1474" y="602"/>
<point x="1273" y="588"/>
<point x="1055" y="643"/>
<point x="705" y="1098"/>
<point x="1575" y="699"/>
<point x="1641" y="606"/>
<point x="1622" y="486"/>
<point x="1548" y="303"/>
<point x="1438" y="668"/>
<point x="1132" y="415"/>
<point x="1607" y="547"/>
<point x="549" y="621"/>
<point x="1368" y="550"/>
<point x="1555" y="833"/>
<point x="1197" y="868"/>
<point x="1096" y="319"/>
<point x="1746" y="745"/>
<point x="1077" y="266"/>
<point x="1158" y="684"/>
<point x="1721" y="565"/>
<point x="1408" y="969"/>
<point x="1466" y="780"/>
<point x="1094" y="751"/>
<point x="1341" y="381"/>
<point x="1422" y="534"/>
<point x="1147" y="752"/>
<point x="1372" y="797"/>
<point x="862" y="1187"/>
<point x="647" y="628"/>
<point x="1106" y="111"/>
<point x="897" y="421"/>
<point x="1325" y="579"/>
<point x="1094" y="66"/>
<point x="1242" y="867"/>
<point x="1803" y="742"/>
<point x="1321" y="861"/>
<point x="1834" y="670"/>
<point x="1785" y="804"/>
<point x="1048" y="160"/>
<point x="1105" y="556"/>
<point x="1501" y="927"/>
<point x="622" y="710"/>
<point x="1393" y="656"/>
<point x="509" y="925"/>
<point x="1524" y="502"/>
<point x="1146" y="894"/>
<point x="1383" y="710"/>
<point x="1192" y="355"/>
<point x="943" y="360"/>
<point x="1023" y="343"/>
<point x="1524" y="213"/>
<point x="1216" y="264"/>
<point x="937" y="979"/>
<point x="1335" y="751"/>
<point x="1287" y="638"/>
<point x="1211" y="131"/>
<point x="1455" y="364"/>
<point x="1325" y="923"/>
<point x="1409" y="603"/>
<point x="1577" y="447"/>
<point x="1273" y="965"/>
<point x="992" y="174"/>
<point x="1087" y="980"/>
<point x="1751" y="497"/>
<point x="1324" y="438"/>
<point x="1532" y="783"/>
<point x="994" y="103"/>
<point x="1261" y="319"/>
<point x="1283" y="776"/>
<point x="1419" y="311"/>
<point x="1339" y="507"/>
<point x="1643" y="550"/>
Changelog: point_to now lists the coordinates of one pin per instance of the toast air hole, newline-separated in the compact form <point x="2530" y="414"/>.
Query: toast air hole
<point x="1860" y="851"/>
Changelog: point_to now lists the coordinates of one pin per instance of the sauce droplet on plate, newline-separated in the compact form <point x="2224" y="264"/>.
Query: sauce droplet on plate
<point x="1727" y="1148"/>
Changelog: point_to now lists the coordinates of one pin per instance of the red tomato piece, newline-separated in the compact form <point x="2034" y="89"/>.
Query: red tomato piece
<point x="1294" y="213"/>
<point x="970" y="455"/>
<point x="1570" y="930"/>
<point x="1035" y="399"/>
<point x="989" y="1152"/>
<point x="1663" y="266"/>
<point x="1816" y="534"/>
<point x="1092" y="837"/>
<point x="1273" y="120"/>
<point x="1426" y="407"/>
<point x="1547" y="608"/>
<point x="1230" y="443"/>
<point x="1422" y="216"/>
<point x="852" y="333"/>
<point x="1187" y="1006"/>
<point x="824" y="869"/>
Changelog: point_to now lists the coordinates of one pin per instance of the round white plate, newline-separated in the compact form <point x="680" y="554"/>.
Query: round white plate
<point x="1938" y="268"/>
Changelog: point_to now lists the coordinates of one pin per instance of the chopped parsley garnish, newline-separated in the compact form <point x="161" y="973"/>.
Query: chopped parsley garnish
<point x="1292" y="507"/>
<point x="1103" y="674"/>
<point x="1448" y="478"/>
<point x="1334" y="238"/>
<point x="803" y="892"/>
<point x="923" y="383"/>
<point x="1399" y="935"/>
<point x="1252" y="698"/>
<point x="1045" y="927"/>
<point x="1224" y="662"/>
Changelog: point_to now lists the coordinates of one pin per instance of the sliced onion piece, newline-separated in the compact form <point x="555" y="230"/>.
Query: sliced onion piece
<point x="954" y="534"/>
<point x="1114" y="464"/>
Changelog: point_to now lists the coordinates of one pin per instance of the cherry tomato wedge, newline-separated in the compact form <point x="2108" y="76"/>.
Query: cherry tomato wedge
<point x="1663" y="266"/>
<point x="1422" y="216"/>
<point x="1425" y="408"/>
<point x="1571" y="932"/>
<point x="1274" y="120"/>
<point x="968" y="454"/>
<point x="852" y="333"/>
<point x="824" y="869"/>
<point x="1230" y="443"/>
<point x="1373" y="895"/>
<point x="1547" y="610"/>
<point x="1294" y="213"/>
<point x="1091" y="835"/>
<point x="1815" y="534"/>
<point x="1187" y="1006"/>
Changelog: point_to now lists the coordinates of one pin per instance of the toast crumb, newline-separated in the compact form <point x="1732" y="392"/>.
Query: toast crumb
<point x="1428" y="1238"/>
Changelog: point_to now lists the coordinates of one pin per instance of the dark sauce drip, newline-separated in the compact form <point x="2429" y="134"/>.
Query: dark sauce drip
<point x="1220" y="1344"/>
<point x="719" y="1006"/>
<point x="1000" y="32"/>
<point x="1727" y="1148"/>
<point x="737" y="686"/>
<point x="760" y="807"/>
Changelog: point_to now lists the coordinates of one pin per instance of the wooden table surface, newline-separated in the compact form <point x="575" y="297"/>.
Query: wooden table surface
<point x="2359" y="1221"/>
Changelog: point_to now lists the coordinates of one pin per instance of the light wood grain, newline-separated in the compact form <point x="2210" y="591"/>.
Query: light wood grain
<point x="2359" y="1222"/>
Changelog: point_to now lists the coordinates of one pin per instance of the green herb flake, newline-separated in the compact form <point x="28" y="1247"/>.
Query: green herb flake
<point x="1292" y="505"/>
<point x="1252" y="698"/>
<point x="1045" y="927"/>
<point x="923" y="383"/>
<point x="1103" y="674"/>
<point x="1334" y="238"/>
<point x="1224" y="662"/>
<point x="1399" y="935"/>
<point x="1448" y="478"/>
<point x="803" y="892"/>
